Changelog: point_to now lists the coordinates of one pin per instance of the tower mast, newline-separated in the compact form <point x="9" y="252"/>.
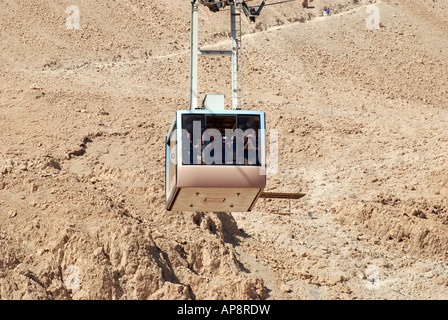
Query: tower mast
<point x="235" y="52"/>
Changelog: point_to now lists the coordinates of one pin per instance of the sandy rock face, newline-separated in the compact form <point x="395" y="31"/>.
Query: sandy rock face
<point x="360" y="123"/>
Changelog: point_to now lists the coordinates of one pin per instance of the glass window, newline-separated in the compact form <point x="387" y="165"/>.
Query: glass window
<point x="216" y="139"/>
<point x="173" y="158"/>
<point x="193" y="127"/>
<point x="220" y="139"/>
<point x="248" y="140"/>
<point x="171" y="162"/>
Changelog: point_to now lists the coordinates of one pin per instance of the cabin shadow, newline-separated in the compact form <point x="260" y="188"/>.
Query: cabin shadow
<point x="232" y="234"/>
<point x="222" y="224"/>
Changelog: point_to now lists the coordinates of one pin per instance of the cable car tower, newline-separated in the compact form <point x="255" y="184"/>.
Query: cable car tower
<point x="235" y="52"/>
<point x="216" y="158"/>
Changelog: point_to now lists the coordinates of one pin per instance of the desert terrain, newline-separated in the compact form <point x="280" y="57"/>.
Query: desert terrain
<point x="362" y="122"/>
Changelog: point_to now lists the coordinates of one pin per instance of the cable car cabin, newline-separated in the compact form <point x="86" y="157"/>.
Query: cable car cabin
<point x="215" y="160"/>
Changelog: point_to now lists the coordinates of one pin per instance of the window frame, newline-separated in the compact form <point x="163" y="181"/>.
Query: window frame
<point x="261" y="138"/>
<point x="170" y="186"/>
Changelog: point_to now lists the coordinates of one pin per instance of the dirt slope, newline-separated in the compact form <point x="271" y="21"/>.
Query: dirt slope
<point x="362" y="125"/>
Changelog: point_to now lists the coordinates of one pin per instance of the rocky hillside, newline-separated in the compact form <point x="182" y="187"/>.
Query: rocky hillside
<point x="362" y="124"/>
